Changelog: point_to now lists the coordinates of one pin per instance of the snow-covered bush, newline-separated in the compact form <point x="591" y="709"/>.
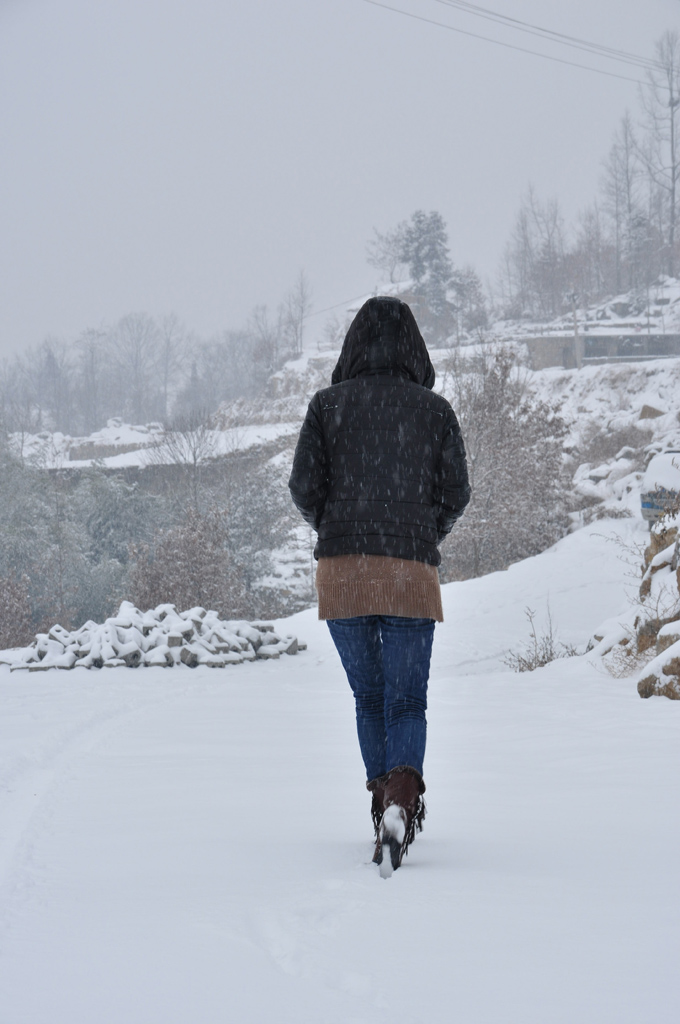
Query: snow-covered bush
<point x="514" y="448"/>
<point x="540" y="649"/>
<point x="188" y="565"/>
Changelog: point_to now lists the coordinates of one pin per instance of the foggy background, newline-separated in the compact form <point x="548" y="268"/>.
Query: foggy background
<point x="166" y="156"/>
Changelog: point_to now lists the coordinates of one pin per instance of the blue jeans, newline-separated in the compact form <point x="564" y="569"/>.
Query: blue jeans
<point x="387" y="661"/>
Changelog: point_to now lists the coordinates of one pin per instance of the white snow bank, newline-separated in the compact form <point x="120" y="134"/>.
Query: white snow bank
<point x="663" y="472"/>
<point x="578" y="580"/>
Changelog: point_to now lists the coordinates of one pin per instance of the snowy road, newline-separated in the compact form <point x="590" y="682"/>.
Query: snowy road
<point x="192" y="847"/>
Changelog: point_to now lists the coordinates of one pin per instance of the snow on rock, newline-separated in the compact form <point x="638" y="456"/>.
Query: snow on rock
<point x="161" y="637"/>
<point x="661" y="677"/>
<point x="609" y="634"/>
<point x="667" y="636"/>
<point x="663" y="473"/>
<point x="650" y="627"/>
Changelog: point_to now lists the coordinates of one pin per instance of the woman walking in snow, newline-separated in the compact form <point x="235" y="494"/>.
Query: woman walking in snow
<point x="380" y="474"/>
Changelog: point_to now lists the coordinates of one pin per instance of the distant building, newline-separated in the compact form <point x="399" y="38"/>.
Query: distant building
<point x="558" y="349"/>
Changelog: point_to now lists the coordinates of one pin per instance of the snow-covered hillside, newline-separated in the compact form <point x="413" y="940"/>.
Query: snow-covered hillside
<point x="618" y="414"/>
<point x="195" y="845"/>
<point x="656" y="311"/>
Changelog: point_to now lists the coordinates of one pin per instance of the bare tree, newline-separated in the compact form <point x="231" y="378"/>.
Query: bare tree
<point x="136" y="345"/>
<point x="189" y="443"/>
<point x="621" y="187"/>
<point x="54" y="379"/>
<point x="660" y="148"/>
<point x="171" y="344"/>
<point x="386" y="251"/>
<point x="20" y="413"/>
<point x="469" y="301"/>
<point x="188" y="565"/>
<point x="16" y="627"/>
<point x="296" y="308"/>
<point x="535" y="259"/>
<point x="92" y="363"/>
<point x="266" y="336"/>
<point x="592" y="260"/>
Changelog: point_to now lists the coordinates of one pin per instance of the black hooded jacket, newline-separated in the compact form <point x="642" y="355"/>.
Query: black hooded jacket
<point x="380" y="464"/>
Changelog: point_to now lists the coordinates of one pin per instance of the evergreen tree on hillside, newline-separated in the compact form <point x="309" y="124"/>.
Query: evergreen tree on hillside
<point x="445" y="300"/>
<point x="425" y="250"/>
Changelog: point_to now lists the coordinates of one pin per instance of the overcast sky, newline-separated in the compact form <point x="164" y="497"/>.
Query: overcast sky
<point x="167" y="155"/>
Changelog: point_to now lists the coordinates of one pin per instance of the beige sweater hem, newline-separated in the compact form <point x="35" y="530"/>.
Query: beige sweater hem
<point x="351" y="585"/>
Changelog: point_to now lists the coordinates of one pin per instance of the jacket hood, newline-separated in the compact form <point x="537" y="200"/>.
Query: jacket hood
<point x="384" y="338"/>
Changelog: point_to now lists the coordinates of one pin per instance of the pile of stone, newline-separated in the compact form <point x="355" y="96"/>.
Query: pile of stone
<point x="161" y="637"/>
<point x="660" y="628"/>
<point x="649" y="632"/>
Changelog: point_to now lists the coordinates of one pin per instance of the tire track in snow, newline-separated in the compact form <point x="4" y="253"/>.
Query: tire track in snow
<point x="26" y="792"/>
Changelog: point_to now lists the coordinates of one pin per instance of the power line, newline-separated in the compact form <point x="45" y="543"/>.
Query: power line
<point x="598" y="49"/>
<point x="508" y="46"/>
<point x="337" y="305"/>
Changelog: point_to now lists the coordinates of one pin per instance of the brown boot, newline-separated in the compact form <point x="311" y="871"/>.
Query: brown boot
<point x="376" y="787"/>
<point x="404" y="811"/>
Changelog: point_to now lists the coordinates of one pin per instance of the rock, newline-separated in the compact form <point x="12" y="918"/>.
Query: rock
<point x="650" y="686"/>
<point x="659" y="539"/>
<point x="202" y="641"/>
<point x="159" y="656"/>
<point x="59" y="634"/>
<point x="647" y="686"/>
<point x="91" y="660"/>
<point x="131" y="636"/>
<point x="658" y="562"/>
<point x="175" y="639"/>
<point x="196" y="614"/>
<point x="131" y="654"/>
<point x="248" y="632"/>
<point x="163" y="610"/>
<point x="108" y="652"/>
<point x="66" y="660"/>
<point x="667" y="635"/>
<point x="649" y="412"/>
<point x="212" y="660"/>
<point x="646" y="634"/>
<point x="625" y="453"/>
<point x="188" y="657"/>
<point x="268" y="651"/>
<point x="671" y="689"/>
<point x="232" y="658"/>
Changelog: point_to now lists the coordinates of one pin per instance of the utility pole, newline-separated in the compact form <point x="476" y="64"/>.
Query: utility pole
<point x="578" y="356"/>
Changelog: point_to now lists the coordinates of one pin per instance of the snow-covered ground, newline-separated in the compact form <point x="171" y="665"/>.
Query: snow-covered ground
<point x="194" y="845"/>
